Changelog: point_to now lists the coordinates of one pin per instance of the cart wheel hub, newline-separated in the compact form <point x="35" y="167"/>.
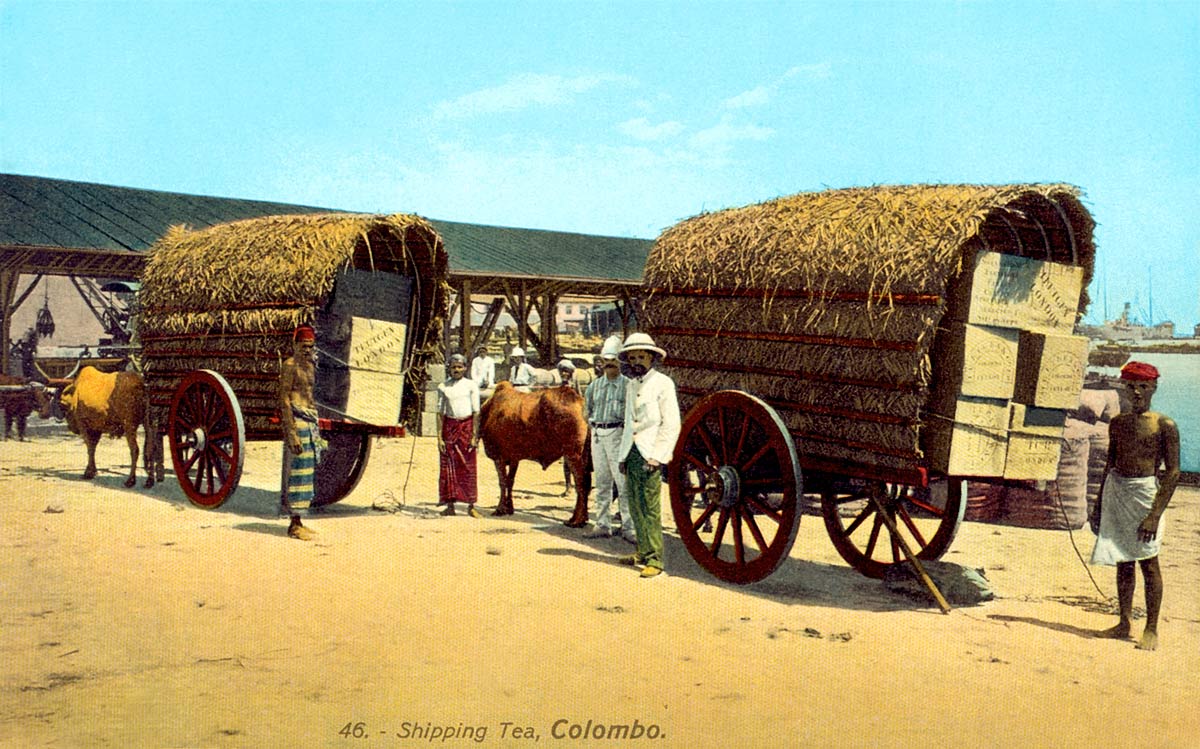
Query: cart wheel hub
<point x="198" y="439"/>
<point x="726" y="487"/>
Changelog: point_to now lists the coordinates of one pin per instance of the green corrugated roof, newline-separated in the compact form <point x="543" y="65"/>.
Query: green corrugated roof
<point x="39" y="211"/>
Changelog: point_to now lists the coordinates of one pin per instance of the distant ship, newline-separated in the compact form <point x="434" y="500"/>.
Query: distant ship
<point x="1126" y="328"/>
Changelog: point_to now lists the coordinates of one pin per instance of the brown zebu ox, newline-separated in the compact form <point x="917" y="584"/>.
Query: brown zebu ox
<point x="20" y="397"/>
<point x="542" y="426"/>
<point x="112" y="403"/>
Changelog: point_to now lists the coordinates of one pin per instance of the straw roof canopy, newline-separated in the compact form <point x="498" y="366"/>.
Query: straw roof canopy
<point x="882" y="240"/>
<point x="227" y="297"/>
<point x="828" y="303"/>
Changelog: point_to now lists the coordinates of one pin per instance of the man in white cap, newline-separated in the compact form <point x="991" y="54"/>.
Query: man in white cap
<point x="521" y="372"/>
<point x="647" y="444"/>
<point x="604" y="406"/>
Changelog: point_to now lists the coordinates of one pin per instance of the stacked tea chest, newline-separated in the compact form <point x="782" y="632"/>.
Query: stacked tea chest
<point x="1008" y="369"/>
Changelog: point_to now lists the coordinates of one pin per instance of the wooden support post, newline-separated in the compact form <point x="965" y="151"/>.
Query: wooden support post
<point x="523" y="316"/>
<point x="446" y="328"/>
<point x="549" y="326"/>
<point x="8" y="287"/>
<point x="464" y="338"/>
<point x="908" y="552"/>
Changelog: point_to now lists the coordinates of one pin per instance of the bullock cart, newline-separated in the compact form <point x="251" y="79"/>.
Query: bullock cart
<point x="873" y="347"/>
<point x="218" y="310"/>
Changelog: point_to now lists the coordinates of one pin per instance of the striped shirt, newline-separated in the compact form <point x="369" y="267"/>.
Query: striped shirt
<point x="604" y="401"/>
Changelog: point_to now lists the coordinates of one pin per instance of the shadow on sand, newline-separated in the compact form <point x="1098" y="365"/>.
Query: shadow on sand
<point x="795" y="580"/>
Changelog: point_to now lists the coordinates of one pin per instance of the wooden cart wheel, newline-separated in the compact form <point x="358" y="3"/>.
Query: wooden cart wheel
<point x="734" y="480"/>
<point x="207" y="438"/>
<point x="341" y="466"/>
<point x="928" y="519"/>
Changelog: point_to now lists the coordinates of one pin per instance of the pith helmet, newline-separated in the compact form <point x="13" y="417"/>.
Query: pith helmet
<point x="518" y="351"/>
<point x="641" y="341"/>
<point x="566" y="364"/>
<point x="611" y="348"/>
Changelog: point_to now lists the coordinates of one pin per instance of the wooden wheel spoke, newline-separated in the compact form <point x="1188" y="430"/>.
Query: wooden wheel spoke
<point x="702" y="430"/>
<point x="739" y="549"/>
<point x="699" y="464"/>
<point x="693" y="490"/>
<point x="197" y="406"/>
<point x="703" y="518"/>
<point x="222" y="464"/>
<point x="217" y="450"/>
<point x="902" y="513"/>
<point x="869" y="551"/>
<point x="719" y="536"/>
<point x="191" y="461"/>
<point x="210" y="469"/>
<point x="762" y="508"/>
<point x="766" y="448"/>
<point x="199" y="470"/>
<point x="741" y="442"/>
<point x="758" y="536"/>
<point x="866" y="512"/>
<point x="721" y="435"/>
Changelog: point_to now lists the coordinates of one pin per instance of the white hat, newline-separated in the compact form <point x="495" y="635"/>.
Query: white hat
<point x="611" y="348"/>
<point x="641" y="341"/>
<point x="518" y="351"/>
<point x="566" y="364"/>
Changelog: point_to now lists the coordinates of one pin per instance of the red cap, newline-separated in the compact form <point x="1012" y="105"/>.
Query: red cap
<point x="304" y="333"/>
<point x="1136" y="370"/>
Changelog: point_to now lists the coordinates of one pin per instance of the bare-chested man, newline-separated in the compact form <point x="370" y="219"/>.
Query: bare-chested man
<point x="1127" y="517"/>
<point x="302" y="440"/>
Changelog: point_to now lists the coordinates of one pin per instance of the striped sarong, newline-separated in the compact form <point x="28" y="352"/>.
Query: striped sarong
<point x="301" y="469"/>
<point x="457" y="478"/>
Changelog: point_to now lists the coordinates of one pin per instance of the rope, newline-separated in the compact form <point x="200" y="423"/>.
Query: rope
<point x="348" y="365"/>
<point x="1071" y="535"/>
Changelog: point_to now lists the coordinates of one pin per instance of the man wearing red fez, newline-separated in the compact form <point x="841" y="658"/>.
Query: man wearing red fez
<point x="1127" y="516"/>
<point x="301" y="438"/>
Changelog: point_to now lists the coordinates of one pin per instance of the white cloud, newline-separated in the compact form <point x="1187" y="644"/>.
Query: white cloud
<point x="524" y="91"/>
<point x="816" y="72"/>
<point x="723" y="135"/>
<point x="640" y="129"/>
<point x="753" y="97"/>
<point x="760" y="95"/>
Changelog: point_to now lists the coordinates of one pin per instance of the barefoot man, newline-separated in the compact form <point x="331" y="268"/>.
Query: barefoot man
<point x="1127" y="517"/>
<point x="302" y="443"/>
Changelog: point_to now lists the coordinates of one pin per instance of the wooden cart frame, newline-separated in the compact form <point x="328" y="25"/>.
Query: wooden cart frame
<point x="759" y="434"/>
<point x="218" y="310"/>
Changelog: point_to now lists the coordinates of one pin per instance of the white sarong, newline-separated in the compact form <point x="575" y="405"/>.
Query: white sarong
<point x="1124" y="504"/>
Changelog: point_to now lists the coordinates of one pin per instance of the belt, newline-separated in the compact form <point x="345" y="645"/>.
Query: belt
<point x="609" y="425"/>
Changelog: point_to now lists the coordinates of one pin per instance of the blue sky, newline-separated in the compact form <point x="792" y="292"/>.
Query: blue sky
<point x="624" y="118"/>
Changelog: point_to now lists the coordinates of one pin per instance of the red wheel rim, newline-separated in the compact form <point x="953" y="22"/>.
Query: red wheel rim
<point x="734" y="480"/>
<point x="207" y="436"/>
<point x="927" y="519"/>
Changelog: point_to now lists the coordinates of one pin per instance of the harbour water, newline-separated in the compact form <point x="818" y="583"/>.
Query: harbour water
<point x="1178" y="396"/>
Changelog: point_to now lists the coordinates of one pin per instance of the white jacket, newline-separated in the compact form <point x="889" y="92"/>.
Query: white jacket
<point x="651" y="417"/>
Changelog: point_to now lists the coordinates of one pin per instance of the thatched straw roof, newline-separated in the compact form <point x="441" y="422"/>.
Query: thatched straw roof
<point x="827" y="304"/>
<point x="905" y="239"/>
<point x="228" y="297"/>
<point x="281" y="259"/>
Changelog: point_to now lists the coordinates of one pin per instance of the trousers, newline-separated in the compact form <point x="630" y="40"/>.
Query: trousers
<point x="644" y="485"/>
<point x="606" y="472"/>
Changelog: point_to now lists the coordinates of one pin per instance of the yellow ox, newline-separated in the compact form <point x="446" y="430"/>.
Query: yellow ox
<point x="112" y="403"/>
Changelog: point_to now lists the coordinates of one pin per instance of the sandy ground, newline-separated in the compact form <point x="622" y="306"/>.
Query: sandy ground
<point x="132" y="618"/>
